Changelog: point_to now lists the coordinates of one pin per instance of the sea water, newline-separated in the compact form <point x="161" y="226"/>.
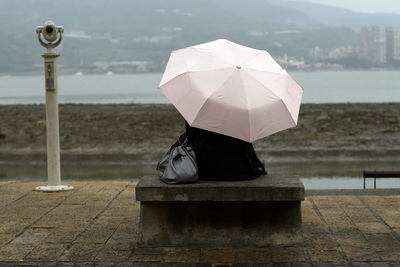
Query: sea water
<point x="314" y="175"/>
<point x="319" y="87"/>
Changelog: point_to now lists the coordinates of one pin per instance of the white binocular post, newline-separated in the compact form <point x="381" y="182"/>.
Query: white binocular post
<point x="52" y="34"/>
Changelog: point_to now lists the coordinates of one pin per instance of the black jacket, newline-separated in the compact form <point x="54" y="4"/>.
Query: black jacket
<point x="220" y="157"/>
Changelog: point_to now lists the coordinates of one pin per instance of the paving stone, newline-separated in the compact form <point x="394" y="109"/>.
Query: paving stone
<point x="60" y="236"/>
<point x="392" y="220"/>
<point x="65" y="264"/>
<point x="45" y="252"/>
<point x="373" y="228"/>
<point x="182" y="255"/>
<point x="287" y="254"/>
<point x="326" y="201"/>
<point x="390" y="255"/>
<point x="312" y="223"/>
<point x="383" y="242"/>
<point x="119" y="211"/>
<point x="216" y="255"/>
<point x="124" y="264"/>
<point x="352" y="239"/>
<point x="28" y="263"/>
<point x="96" y="237"/>
<point x="150" y="251"/>
<point x="339" y="264"/>
<point x="337" y="220"/>
<point x="179" y="264"/>
<point x="13" y="191"/>
<point x="129" y="238"/>
<point x="30" y="238"/>
<point x="65" y="221"/>
<point x="84" y="263"/>
<point x="81" y="252"/>
<point x="281" y="264"/>
<point x="317" y="241"/>
<point x="320" y="255"/>
<point x="301" y="264"/>
<point x="348" y="201"/>
<point x="5" y="238"/>
<point x="12" y="227"/>
<point x="113" y="255"/>
<point x="379" y="264"/>
<point x="360" y="263"/>
<point x="360" y="214"/>
<point x="253" y="255"/>
<point x="48" y="264"/>
<point x="121" y="244"/>
<point x="256" y="264"/>
<point x="14" y="252"/>
<point x="125" y="231"/>
<point x="383" y="207"/>
<point x="104" y="264"/>
<point x="107" y="223"/>
<point x="145" y="258"/>
<point x="355" y="253"/>
<point x="321" y="264"/>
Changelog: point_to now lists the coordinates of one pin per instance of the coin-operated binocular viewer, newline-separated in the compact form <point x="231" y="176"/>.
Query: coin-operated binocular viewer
<point x="53" y="36"/>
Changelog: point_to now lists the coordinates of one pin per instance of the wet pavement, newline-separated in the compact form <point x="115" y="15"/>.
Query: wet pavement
<point x="97" y="224"/>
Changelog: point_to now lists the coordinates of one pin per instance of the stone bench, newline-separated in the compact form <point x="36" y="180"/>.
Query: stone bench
<point x="258" y="212"/>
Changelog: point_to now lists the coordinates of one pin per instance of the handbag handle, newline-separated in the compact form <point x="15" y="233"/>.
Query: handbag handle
<point x="183" y="140"/>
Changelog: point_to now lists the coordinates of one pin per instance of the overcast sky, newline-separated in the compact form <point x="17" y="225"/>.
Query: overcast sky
<point x="370" y="6"/>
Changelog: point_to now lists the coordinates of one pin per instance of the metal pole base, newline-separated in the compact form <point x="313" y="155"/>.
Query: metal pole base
<point x="54" y="188"/>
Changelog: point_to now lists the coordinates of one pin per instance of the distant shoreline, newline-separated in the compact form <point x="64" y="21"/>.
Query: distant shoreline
<point x="141" y="133"/>
<point x="73" y="72"/>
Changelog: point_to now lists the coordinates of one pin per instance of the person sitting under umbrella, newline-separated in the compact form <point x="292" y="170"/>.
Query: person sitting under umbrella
<point x="230" y="95"/>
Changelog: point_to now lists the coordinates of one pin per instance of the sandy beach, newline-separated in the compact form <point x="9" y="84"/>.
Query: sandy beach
<point x="141" y="133"/>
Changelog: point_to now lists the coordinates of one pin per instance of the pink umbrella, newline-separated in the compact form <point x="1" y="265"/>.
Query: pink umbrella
<point x="231" y="89"/>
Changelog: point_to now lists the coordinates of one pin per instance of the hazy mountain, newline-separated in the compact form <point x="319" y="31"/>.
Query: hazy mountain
<point x="340" y="17"/>
<point x="150" y="29"/>
<point x="136" y="17"/>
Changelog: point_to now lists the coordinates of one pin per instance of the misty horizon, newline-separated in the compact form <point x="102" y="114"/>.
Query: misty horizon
<point x="299" y="34"/>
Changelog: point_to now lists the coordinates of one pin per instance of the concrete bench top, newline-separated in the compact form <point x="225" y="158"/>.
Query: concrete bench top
<point x="264" y="188"/>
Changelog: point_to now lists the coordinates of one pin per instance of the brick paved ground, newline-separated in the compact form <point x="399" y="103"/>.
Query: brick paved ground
<point x="97" y="223"/>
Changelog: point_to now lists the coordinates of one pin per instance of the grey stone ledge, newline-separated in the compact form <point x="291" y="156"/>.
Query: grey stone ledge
<point x="264" y="188"/>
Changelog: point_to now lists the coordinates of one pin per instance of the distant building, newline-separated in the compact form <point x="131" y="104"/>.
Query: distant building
<point x="317" y="53"/>
<point x="341" y="52"/>
<point x="377" y="45"/>
<point x="392" y="44"/>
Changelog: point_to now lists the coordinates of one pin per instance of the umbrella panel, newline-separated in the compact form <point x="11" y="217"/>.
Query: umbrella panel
<point x="243" y="108"/>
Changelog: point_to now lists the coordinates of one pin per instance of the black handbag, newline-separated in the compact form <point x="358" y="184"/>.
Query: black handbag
<point x="178" y="165"/>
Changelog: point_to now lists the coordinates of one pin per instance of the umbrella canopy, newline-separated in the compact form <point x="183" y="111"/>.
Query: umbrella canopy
<point x="231" y="89"/>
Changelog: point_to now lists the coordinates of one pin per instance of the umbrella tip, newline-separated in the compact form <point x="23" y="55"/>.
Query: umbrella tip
<point x="238" y="67"/>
